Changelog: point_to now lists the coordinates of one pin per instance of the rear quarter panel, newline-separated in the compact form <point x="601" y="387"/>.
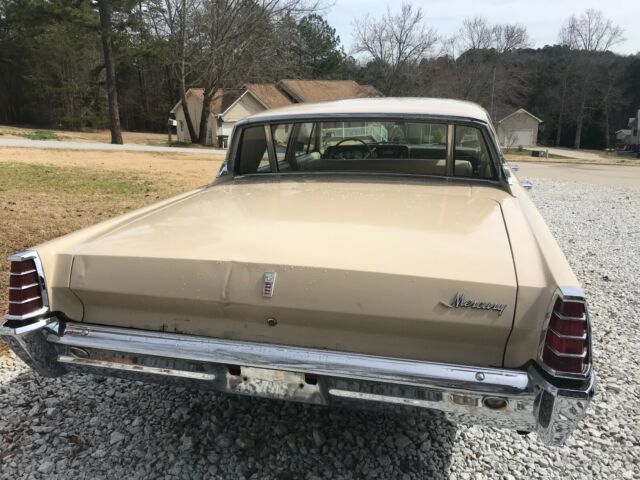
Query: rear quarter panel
<point x="541" y="267"/>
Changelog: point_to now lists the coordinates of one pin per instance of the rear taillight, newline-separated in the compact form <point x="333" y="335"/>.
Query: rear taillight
<point x="27" y="297"/>
<point x="566" y="347"/>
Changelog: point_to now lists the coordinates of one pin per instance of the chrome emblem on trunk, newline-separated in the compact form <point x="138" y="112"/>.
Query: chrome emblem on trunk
<point x="269" y="283"/>
<point x="459" y="301"/>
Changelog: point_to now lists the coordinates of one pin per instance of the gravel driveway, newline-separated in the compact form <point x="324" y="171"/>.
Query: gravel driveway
<point x="88" y="427"/>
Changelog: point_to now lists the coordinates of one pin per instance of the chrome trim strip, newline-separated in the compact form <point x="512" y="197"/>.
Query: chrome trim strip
<point x="25" y="287"/>
<point x="169" y="372"/>
<point x="14" y="302"/>
<point x="571" y="319"/>
<point x="569" y="337"/>
<point x="15" y="274"/>
<point x="21" y="330"/>
<point x="571" y="292"/>
<point x="30" y="316"/>
<point x="295" y="359"/>
<point x="567" y="355"/>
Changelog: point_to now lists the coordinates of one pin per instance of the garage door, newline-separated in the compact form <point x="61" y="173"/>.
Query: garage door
<point x="522" y="138"/>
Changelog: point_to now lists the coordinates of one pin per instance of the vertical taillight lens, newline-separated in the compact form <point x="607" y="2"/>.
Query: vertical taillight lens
<point x="25" y="290"/>
<point x="566" y="344"/>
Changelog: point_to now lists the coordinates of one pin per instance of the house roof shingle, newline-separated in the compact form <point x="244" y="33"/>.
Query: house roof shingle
<point x="326" y="90"/>
<point x="268" y="94"/>
<point x="222" y="99"/>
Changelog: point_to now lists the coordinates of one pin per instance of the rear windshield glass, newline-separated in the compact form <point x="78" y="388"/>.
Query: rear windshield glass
<point x="405" y="147"/>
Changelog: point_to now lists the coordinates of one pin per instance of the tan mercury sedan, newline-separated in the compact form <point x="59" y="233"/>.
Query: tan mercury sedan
<point x="360" y="251"/>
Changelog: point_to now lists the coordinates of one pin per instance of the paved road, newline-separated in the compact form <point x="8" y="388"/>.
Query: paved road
<point x="23" y="143"/>
<point x="595" y="174"/>
<point x="572" y="153"/>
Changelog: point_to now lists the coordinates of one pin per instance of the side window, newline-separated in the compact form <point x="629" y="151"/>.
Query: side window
<point x="280" y="135"/>
<point x="471" y="155"/>
<point x="253" y="156"/>
<point x="305" y="148"/>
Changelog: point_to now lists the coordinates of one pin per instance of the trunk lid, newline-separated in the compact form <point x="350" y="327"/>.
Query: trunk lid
<point x="360" y="266"/>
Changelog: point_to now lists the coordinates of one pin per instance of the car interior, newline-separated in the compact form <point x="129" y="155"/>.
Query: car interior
<point x="364" y="146"/>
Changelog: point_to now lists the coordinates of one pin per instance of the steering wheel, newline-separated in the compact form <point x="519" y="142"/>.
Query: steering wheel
<point x="354" y="139"/>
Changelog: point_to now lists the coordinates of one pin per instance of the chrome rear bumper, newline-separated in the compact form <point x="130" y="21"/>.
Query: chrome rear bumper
<point x="514" y="399"/>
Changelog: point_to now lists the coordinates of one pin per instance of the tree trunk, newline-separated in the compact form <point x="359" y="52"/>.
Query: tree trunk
<point x="204" y="117"/>
<point x="107" y="48"/>
<point x="580" y="119"/>
<point x="561" y="114"/>
<point x="187" y="115"/>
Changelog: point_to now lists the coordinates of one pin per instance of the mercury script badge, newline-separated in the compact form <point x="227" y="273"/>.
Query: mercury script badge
<point x="269" y="284"/>
<point x="459" y="301"/>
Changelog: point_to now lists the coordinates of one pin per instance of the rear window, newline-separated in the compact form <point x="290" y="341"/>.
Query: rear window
<point x="369" y="146"/>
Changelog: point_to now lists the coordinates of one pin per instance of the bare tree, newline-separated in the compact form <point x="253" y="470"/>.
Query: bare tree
<point x="232" y="32"/>
<point x="509" y="37"/>
<point x="104" y="9"/>
<point x="174" y="21"/>
<point x="476" y="34"/>
<point x="396" y="42"/>
<point x="590" y="33"/>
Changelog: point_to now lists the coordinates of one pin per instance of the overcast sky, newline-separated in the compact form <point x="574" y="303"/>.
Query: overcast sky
<point x="543" y="18"/>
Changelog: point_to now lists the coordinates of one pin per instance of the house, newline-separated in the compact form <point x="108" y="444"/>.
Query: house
<point x="623" y="137"/>
<point x="231" y="105"/>
<point x="518" y="129"/>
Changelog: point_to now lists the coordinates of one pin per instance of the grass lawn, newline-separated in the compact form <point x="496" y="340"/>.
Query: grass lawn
<point x="99" y="136"/>
<point x="45" y="194"/>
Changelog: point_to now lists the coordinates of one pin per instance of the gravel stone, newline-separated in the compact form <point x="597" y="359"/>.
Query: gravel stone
<point x="115" y="437"/>
<point x="46" y="467"/>
<point x="173" y="432"/>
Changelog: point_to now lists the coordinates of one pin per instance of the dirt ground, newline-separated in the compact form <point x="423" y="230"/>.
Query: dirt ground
<point x="47" y="193"/>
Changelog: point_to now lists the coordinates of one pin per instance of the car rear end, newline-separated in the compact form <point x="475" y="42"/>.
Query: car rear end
<point x="444" y="292"/>
<point x="548" y="395"/>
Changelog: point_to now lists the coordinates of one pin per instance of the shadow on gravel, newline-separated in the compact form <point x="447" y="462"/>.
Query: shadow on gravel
<point x="86" y="426"/>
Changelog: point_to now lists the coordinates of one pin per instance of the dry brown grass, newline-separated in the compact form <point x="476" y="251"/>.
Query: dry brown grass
<point x="610" y="160"/>
<point x="47" y="193"/>
<point x="100" y="136"/>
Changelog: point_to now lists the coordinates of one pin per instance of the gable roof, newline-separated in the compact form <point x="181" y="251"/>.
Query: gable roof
<point x="326" y="90"/>
<point x="268" y="94"/>
<point x="221" y="101"/>
<point x="521" y="110"/>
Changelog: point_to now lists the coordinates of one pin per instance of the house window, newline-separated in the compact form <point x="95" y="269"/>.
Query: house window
<point x="181" y="123"/>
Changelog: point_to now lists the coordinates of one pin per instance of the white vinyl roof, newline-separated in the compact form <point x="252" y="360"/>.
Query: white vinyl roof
<point x="380" y="106"/>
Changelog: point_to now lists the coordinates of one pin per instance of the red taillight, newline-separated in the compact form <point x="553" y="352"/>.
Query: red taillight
<point x="25" y="290"/>
<point x="566" y="344"/>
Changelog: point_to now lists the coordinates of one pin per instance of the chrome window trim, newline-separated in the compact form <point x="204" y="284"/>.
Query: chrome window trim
<point x="568" y="293"/>
<point x="21" y="257"/>
<point x="499" y="179"/>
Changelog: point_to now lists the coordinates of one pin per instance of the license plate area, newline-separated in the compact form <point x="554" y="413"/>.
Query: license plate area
<point x="264" y="382"/>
